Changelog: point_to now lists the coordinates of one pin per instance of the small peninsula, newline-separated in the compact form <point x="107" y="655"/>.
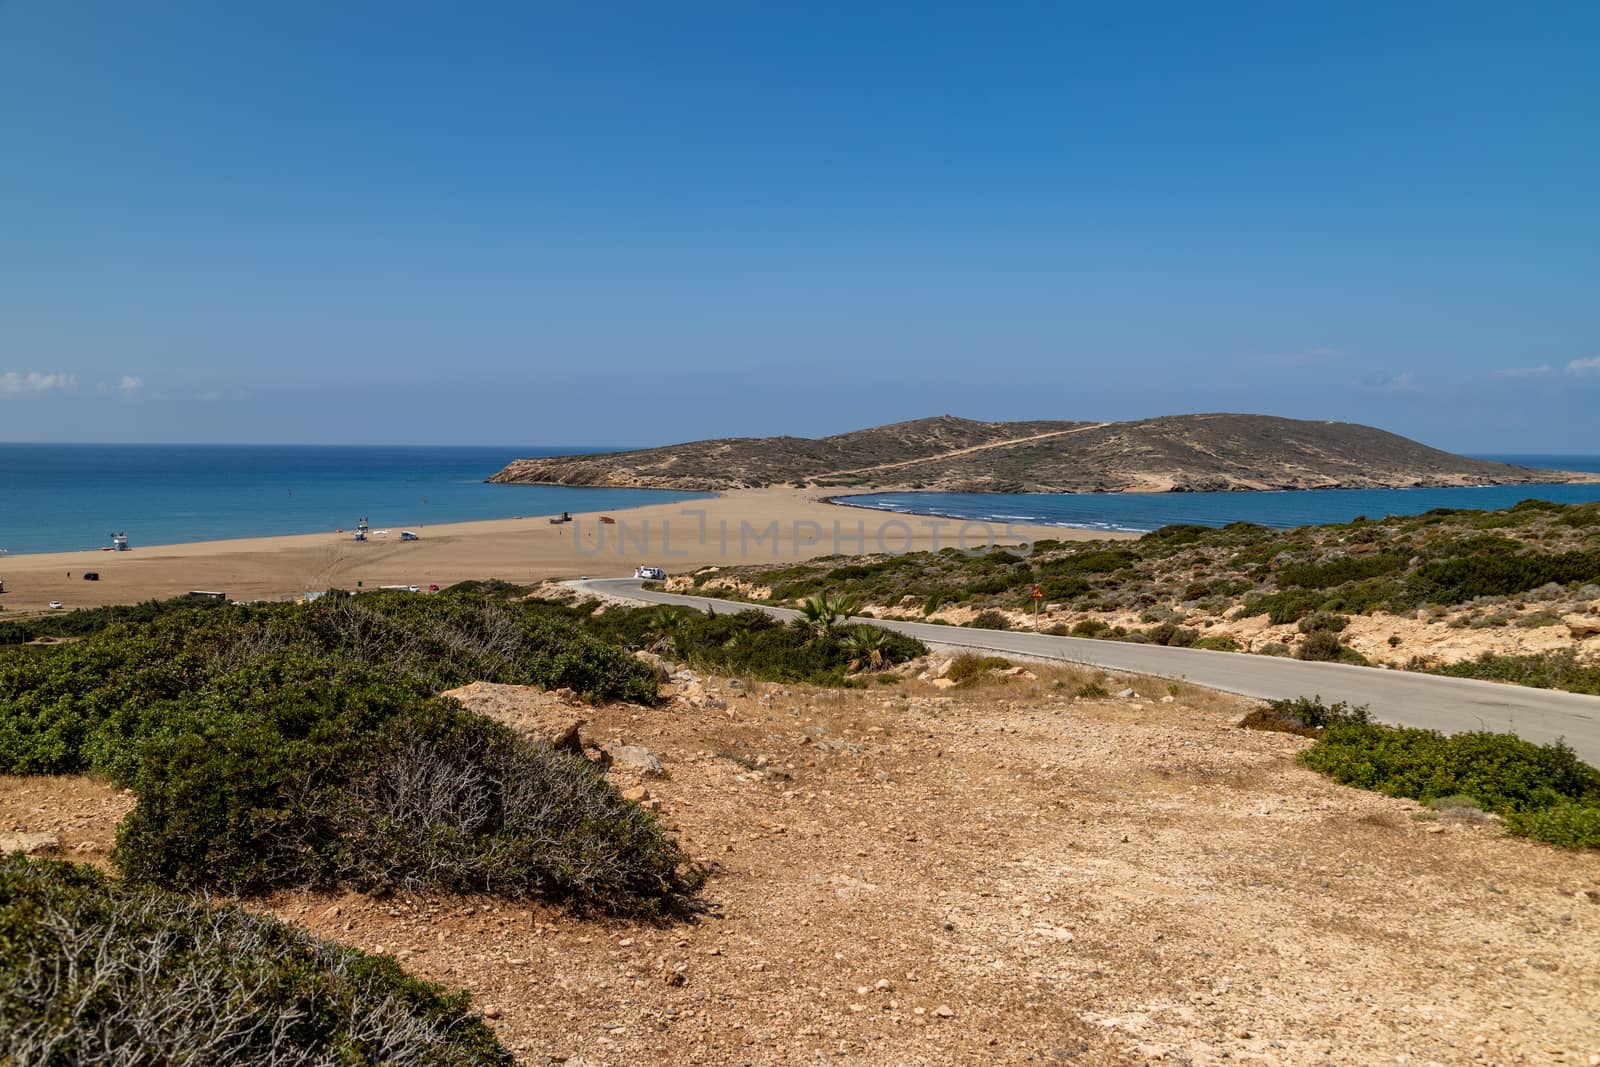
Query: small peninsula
<point x="1176" y="453"/>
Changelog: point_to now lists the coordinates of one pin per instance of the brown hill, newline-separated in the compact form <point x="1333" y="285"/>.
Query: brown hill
<point x="1183" y="453"/>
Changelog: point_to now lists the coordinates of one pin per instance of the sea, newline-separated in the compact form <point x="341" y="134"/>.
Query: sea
<point x="61" y="498"/>
<point x="1143" y="512"/>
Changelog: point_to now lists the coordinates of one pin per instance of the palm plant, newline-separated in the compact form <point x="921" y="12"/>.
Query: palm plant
<point x="867" y="647"/>
<point x="819" y="614"/>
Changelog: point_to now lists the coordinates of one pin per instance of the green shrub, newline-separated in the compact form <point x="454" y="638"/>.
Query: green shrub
<point x="1306" y="716"/>
<point x="1323" y="621"/>
<point x="1090" y="628"/>
<point x="1496" y="572"/>
<point x="1168" y="634"/>
<point x="990" y="620"/>
<point x="1286" y="607"/>
<point x="1321" y="646"/>
<point x="1504" y="774"/>
<point x="1092" y="691"/>
<point x="274" y="746"/>
<point x="382" y="793"/>
<point x="1218" y="643"/>
<point x="1570" y="824"/>
<point x="95" y="972"/>
<point x="1339" y="571"/>
<point x="969" y="666"/>
<point x="1560" y="669"/>
<point x="1274" y="648"/>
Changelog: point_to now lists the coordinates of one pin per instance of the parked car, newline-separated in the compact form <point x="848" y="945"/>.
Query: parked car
<point x="56" y="604"/>
<point x="91" y="576"/>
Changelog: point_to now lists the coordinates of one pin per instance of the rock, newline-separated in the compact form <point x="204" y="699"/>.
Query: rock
<point x="734" y="683"/>
<point x="943" y="1011"/>
<point x="943" y="683"/>
<point x="938" y="668"/>
<point x="491" y="1011"/>
<point x="1015" y="672"/>
<point x="635" y="758"/>
<point x="539" y="716"/>
<point x="30" y="844"/>
<point x="1582" y="626"/>
<point x="638" y="794"/>
<point x="1168" y="699"/>
<point x="1124" y="694"/>
<point x="663" y="676"/>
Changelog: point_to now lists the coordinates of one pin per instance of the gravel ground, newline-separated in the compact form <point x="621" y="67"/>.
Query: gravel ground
<point x="1009" y="874"/>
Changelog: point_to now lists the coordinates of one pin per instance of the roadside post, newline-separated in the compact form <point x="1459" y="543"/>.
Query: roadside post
<point x="1036" y="596"/>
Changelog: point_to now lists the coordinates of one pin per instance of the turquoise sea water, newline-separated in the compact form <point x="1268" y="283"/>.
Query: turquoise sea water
<point x="1141" y="512"/>
<point x="57" y="498"/>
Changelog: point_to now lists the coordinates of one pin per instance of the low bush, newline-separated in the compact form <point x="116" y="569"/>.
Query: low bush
<point x="1323" y="621"/>
<point x="95" y="972"/>
<point x="1339" y="571"/>
<point x="990" y="620"/>
<point x="1168" y="634"/>
<point x="1090" y="628"/>
<point x="1570" y="824"/>
<point x="1321" y="646"/>
<point x="1308" y="717"/>
<point x="287" y="745"/>
<point x="1542" y="791"/>
<point x="1218" y="643"/>
<point x="1561" y="669"/>
<point x="1288" y="606"/>
<point x="1498" y="572"/>
<point x="969" y="666"/>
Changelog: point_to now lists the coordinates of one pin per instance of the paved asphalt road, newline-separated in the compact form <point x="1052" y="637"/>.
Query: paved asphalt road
<point x="1449" y="704"/>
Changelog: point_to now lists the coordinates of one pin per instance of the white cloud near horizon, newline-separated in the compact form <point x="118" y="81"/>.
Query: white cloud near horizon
<point x="130" y="385"/>
<point x="1522" y="372"/>
<point x="13" y="383"/>
<point x="1578" y="366"/>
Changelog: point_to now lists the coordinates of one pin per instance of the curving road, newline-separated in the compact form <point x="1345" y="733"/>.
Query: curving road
<point x="1449" y="704"/>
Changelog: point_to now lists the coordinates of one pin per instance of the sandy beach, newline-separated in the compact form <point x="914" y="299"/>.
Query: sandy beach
<point x="742" y="526"/>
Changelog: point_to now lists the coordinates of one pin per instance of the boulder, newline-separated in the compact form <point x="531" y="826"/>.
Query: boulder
<point x="44" y="844"/>
<point x="943" y="683"/>
<point x="663" y="676"/>
<point x="635" y="758"/>
<point x="1014" y="672"/>
<point x="543" y="718"/>
<point x="1583" y="626"/>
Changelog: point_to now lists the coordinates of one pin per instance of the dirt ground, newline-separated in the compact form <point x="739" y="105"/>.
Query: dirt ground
<point x="1008" y="874"/>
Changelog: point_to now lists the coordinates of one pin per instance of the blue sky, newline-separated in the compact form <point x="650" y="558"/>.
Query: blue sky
<point x="635" y="223"/>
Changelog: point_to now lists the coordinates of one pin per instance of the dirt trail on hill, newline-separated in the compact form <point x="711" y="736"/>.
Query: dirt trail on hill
<point x="908" y="875"/>
<point x="1009" y="442"/>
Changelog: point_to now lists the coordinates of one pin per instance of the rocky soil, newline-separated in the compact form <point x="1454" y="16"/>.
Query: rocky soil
<point x="1000" y="872"/>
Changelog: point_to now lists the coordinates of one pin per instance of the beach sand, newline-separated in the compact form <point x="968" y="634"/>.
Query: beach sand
<point x="741" y="526"/>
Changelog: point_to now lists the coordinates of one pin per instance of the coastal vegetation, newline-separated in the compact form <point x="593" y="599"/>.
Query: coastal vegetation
<point x="287" y="745"/>
<point x="306" y="745"/>
<point x="97" y="971"/>
<point x="1543" y="792"/>
<point x="1525" y="574"/>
